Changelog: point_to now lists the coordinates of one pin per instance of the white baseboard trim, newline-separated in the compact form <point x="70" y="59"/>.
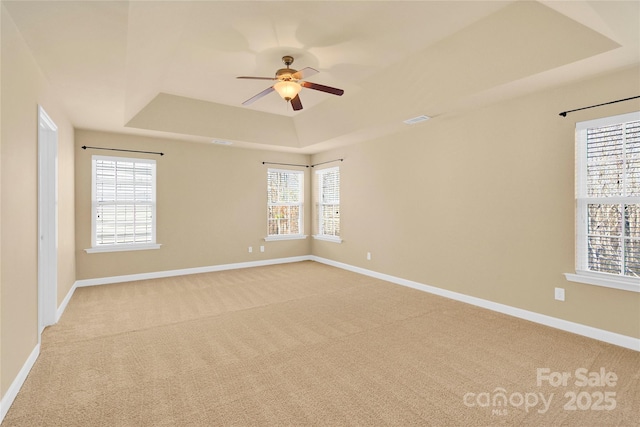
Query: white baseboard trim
<point x="187" y="271"/>
<point x="16" y="385"/>
<point x="65" y="301"/>
<point x="565" y="325"/>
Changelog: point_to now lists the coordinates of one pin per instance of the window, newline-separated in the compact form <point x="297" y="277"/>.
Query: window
<point x="285" y="204"/>
<point x="329" y="204"/>
<point x="608" y="200"/>
<point x="123" y="204"/>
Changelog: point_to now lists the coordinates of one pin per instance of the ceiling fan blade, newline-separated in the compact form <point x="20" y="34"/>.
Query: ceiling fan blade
<point x="256" y="78"/>
<point x="304" y="73"/>
<point x="296" y="103"/>
<point x="267" y="91"/>
<point x="322" y="88"/>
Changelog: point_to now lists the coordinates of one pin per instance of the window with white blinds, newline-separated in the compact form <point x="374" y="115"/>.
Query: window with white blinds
<point x="123" y="203"/>
<point x="285" y="203"/>
<point x="608" y="196"/>
<point x="329" y="203"/>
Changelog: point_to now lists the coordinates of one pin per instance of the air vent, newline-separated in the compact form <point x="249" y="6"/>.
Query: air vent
<point x="417" y="120"/>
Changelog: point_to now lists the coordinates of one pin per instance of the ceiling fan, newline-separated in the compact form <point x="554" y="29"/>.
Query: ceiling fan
<point x="289" y="84"/>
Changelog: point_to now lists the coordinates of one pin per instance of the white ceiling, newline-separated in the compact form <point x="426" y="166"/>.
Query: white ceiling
<point x="169" y="68"/>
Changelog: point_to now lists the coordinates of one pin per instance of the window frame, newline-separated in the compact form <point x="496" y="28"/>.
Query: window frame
<point x="300" y="204"/>
<point x="583" y="274"/>
<point x="321" y="235"/>
<point x="118" y="247"/>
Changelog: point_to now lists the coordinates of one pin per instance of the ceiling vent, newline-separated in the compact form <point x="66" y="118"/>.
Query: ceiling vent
<point x="417" y="120"/>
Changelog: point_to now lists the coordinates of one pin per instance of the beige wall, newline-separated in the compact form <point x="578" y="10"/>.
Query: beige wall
<point x="23" y="89"/>
<point x="482" y="203"/>
<point x="211" y="206"/>
<point x="1" y="38"/>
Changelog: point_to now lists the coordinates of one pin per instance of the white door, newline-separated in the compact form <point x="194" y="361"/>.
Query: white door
<point x="47" y="220"/>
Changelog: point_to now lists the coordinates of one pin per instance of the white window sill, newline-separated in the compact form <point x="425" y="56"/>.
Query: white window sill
<point x="603" y="279"/>
<point x="285" y="237"/>
<point x="333" y="239"/>
<point x="122" y="248"/>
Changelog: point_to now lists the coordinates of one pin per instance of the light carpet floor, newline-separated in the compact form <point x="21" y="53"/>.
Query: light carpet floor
<point x="306" y="344"/>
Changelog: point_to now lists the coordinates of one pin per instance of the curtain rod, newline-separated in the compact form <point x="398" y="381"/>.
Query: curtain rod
<point x="564" y="113"/>
<point x="329" y="161"/>
<point x="302" y="166"/>
<point x="284" y="164"/>
<point x="84" y="147"/>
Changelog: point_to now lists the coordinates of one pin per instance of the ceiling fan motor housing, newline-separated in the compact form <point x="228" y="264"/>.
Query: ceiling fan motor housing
<point x="285" y="73"/>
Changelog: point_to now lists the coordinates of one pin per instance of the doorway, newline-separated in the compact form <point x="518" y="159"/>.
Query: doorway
<point x="47" y="220"/>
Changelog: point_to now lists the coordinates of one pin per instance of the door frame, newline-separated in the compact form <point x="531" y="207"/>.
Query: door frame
<point x="47" y="221"/>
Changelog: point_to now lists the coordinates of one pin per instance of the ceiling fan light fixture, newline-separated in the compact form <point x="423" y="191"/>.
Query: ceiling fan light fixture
<point x="289" y="83"/>
<point x="287" y="89"/>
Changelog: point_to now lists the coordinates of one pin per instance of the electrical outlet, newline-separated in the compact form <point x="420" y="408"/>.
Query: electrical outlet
<point x="368" y="256"/>
<point x="559" y="294"/>
<point x="250" y="249"/>
<point x="261" y="248"/>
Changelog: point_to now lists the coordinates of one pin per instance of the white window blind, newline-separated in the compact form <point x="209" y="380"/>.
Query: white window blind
<point x="124" y="202"/>
<point x="608" y="196"/>
<point x="329" y="202"/>
<point x="285" y="202"/>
